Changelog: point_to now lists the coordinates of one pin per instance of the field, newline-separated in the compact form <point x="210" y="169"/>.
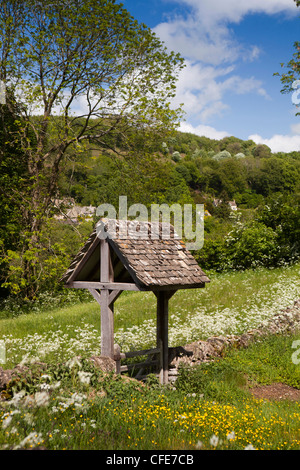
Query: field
<point x="72" y="406"/>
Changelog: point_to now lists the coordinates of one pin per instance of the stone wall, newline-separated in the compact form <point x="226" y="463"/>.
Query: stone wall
<point x="286" y="321"/>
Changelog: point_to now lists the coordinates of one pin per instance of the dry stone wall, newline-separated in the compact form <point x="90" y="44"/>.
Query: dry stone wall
<point x="286" y="321"/>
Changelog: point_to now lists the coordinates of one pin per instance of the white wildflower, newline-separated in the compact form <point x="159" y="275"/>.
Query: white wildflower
<point x="13" y="430"/>
<point x="17" y="398"/>
<point x="231" y="436"/>
<point x="214" y="440"/>
<point x="29" y="418"/>
<point x="28" y="402"/>
<point x="6" y="422"/>
<point x="45" y="377"/>
<point x="55" y="385"/>
<point x="73" y="362"/>
<point x="45" y="386"/>
<point x="76" y="400"/>
<point x="199" y="445"/>
<point x="249" y="447"/>
<point x="24" y="360"/>
<point x="42" y="398"/>
<point x="84" y="377"/>
<point x="31" y="440"/>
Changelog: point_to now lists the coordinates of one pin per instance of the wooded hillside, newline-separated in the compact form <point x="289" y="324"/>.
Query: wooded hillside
<point x="264" y="230"/>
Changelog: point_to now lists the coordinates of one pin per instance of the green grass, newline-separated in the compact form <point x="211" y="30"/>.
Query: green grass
<point x="211" y="405"/>
<point x="231" y="303"/>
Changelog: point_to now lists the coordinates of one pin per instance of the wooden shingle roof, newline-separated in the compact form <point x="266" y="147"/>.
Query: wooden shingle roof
<point x="150" y="255"/>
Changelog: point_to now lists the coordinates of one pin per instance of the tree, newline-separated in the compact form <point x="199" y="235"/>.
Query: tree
<point x="275" y="176"/>
<point x="282" y="214"/>
<point x="81" y="72"/>
<point x="251" y="246"/>
<point x="13" y="174"/>
<point x="290" y="78"/>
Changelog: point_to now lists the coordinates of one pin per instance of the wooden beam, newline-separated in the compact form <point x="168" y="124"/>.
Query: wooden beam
<point x="105" y="285"/>
<point x="143" y="352"/>
<point x="84" y="259"/>
<point x="104" y="261"/>
<point x="168" y="293"/>
<point x="113" y="295"/>
<point x="123" y="260"/>
<point x="107" y="312"/>
<point x="107" y="326"/>
<point x="175" y="287"/>
<point x="96" y="295"/>
<point x="162" y="336"/>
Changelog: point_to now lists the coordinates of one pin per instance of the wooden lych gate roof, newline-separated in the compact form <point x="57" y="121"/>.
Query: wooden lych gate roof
<point x="156" y="260"/>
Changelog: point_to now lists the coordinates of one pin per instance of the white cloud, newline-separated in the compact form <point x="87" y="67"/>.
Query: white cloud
<point x="202" y="88"/>
<point x="201" y="130"/>
<point x="204" y="33"/>
<point x="234" y="10"/>
<point x="195" y="41"/>
<point x="203" y="36"/>
<point x="279" y="143"/>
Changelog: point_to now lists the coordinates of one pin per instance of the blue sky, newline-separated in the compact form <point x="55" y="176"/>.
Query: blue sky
<point x="231" y="49"/>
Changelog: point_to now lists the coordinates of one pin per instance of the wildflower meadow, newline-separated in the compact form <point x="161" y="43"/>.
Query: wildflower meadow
<point x="69" y="404"/>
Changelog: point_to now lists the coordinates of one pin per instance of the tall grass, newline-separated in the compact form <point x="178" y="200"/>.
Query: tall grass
<point x="231" y="304"/>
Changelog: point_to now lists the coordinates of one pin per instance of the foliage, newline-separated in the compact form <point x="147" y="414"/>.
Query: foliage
<point x="251" y="246"/>
<point x="291" y="75"/>
<point x="55" y="56"/>
<point x="281" y="214"/>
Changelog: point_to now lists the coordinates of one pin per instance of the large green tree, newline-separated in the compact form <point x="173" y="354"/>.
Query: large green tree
<point x="80" y="72"/>
<point x="290" y="78"/>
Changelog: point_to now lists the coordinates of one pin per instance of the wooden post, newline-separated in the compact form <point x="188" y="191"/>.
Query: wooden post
<point x="107" y="315"/>
<point x="117" y="358"/>
<point x="162" y="335"/>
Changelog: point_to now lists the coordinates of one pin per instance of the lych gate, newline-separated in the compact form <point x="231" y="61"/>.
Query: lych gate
<point x="138" y="256"/>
